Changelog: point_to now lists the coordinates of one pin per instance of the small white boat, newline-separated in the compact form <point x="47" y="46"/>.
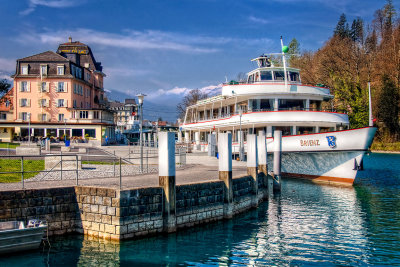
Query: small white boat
<point x="15" y="237"/>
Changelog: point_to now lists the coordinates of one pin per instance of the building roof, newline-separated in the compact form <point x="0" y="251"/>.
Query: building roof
<point x="116" y="104"/>
<point x="83" y="53"/>
<point x="130" y="101"/>
<point x="45" y="56"/>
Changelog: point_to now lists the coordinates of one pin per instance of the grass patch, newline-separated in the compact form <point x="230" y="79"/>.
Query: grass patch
<point x="384" y="146"/>
<point x="32" y="167"/>
<point x="8" y="145"/>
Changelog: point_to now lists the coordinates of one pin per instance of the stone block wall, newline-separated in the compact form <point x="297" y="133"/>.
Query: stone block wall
<point x="198" y="203"/>
<point x="109" y="213"/>
<point x="114" y="214"/>
<point x="141" y="212"/>
<point x="242" y="193"/>
<point x="58" y="206"/>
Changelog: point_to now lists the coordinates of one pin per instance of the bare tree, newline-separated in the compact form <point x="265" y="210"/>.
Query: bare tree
<point x="190" y="99"/>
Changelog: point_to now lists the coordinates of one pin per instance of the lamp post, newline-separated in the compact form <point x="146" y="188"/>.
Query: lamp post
<point x="140" y="100"/>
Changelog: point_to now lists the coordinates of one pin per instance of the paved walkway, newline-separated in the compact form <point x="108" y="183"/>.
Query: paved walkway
<point x="199" y="168"/>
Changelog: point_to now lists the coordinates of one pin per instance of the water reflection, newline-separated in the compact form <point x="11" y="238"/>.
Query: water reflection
<point x="307" y="224"/>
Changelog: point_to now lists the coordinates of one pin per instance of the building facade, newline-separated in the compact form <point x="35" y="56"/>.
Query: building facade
<point x="57" y="94"/>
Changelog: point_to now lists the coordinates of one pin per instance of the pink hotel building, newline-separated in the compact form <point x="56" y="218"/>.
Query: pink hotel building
<point x="60" y="93"/>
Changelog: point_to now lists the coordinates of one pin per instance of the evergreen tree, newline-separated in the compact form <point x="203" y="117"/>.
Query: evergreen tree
<point x="357" y="30"/>
<point x="294" y="51"/>
<point x="4" y="86"/>
<point x="342" y="27"/>
<point x="389" y="13"/>
<point x="388" y="107"/>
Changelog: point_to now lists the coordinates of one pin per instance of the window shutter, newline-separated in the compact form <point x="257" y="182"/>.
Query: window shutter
<point x="39" y="103"/>
<point x="39" y="87"/>
<point x="56" y="85"/>
<point x="28" y="86"/>
<point x="20" y="86"/>
<point x="47" y="87"/>
<point x="65" y="86"/>
<point x="28" y="102"/>
<point x="66" y="103"/>
<point x="20" y="102"/>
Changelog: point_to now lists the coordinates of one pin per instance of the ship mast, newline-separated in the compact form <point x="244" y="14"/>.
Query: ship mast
<point x="284" y="65"/>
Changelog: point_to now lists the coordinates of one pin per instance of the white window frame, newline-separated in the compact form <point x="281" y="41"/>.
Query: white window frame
<point x="43" y="117"/>
<point x="62" y="101"/>
<point x="61" y="117"/>
<point x="63" y="87"/>
<point x="43" y="70"/>
<point x="43" y="89"/>
<point x="43" y="102"/>
<point x="60" y="70"/>
<point x="24" y="69"/>
<point x="24" y="86"/>
<point x="24" y="102"/>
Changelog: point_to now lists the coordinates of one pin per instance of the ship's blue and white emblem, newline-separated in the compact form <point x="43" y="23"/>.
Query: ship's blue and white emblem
<point x="331" y="141"/>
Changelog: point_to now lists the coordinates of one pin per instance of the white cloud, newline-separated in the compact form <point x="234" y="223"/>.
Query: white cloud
<point x="7" y="64"/>
<point x="140" y="40"/>
<point x="182" y="91"/>
<point x="49" y="3"/>
<point x="137" y="40"/>
<point x="258" y="20"/>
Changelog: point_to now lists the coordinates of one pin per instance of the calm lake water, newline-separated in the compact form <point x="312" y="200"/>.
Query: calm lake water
<point x="306" y="225"/>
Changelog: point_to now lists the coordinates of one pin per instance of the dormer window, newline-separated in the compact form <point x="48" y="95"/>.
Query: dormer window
<point x="24" y="69"/>
<point x="43" y="70"/>
<point x="60" y="70"/>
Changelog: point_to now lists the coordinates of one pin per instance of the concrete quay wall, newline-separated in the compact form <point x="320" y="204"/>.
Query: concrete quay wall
<point x="116" y="214"/>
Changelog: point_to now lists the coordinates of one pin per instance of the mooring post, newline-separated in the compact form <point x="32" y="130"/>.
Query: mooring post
<point x="166" y="173"/>
<point x="277" y="161"/>
<point x="252" y="165"/>
<point x="262" y="159"/>
<point x="225" y="170"/>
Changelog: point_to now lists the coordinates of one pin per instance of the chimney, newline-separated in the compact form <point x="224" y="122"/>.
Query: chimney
<point x="70" y="39"/>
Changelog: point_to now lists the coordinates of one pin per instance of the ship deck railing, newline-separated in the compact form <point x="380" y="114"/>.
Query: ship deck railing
<point x="224" y="116"/>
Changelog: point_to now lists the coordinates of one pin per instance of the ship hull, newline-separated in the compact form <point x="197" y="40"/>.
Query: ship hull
<point x="334" y="157"/>
<point x="329" y="167"/>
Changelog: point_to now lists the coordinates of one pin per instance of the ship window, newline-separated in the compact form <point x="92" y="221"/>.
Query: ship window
<point x="279" y="75"/>
<point x="251" y="79"/>
<point x="315" y="105"/>
<point x="291" y="104"/>
<point x="266" y="104"/>
<point x="305" y="130"/>
<point x="294" y="76"/>
<point x="266" y="75"/>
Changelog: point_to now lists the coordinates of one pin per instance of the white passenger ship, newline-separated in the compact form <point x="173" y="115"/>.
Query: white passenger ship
<point x="317" y="143"/>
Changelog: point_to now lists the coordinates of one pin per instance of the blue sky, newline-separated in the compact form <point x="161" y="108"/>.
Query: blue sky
<point x="165" y="48"/>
